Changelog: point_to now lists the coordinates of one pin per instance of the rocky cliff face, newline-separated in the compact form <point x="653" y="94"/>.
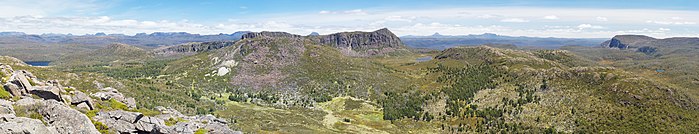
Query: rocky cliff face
<point x="381" y="38"/>
<point x="647" y="45"/>
<point x="623" y="41"/>
<point x="193" y="48"/>
<point x="358" y="44"/>
<point x="266" y="34"/>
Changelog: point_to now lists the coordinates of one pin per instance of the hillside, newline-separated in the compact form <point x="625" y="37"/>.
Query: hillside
<point x="464" y="89"/>
<point x="111" y="55"/>
<point x="368" y="82"/>
<point x="49" y="47"/>
<point x="441" y="42"/>
<point x="671" y="60"/>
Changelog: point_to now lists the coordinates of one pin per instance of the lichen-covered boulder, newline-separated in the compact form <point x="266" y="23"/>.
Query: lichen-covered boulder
<point x="9" y="124"/>
<point x="65" y="119"/>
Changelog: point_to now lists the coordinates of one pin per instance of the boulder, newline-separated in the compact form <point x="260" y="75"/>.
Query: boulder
<point x="109" y="93"/>
<point x="47" y="92"/>
<point x="20" y="79"/>
<point x="13" y="89"/>
<point x="130" y="102"/>
<point x="6" y="107"/>
<point x="9" y="124"/>
<point x="5" y="70"/>
<point x="79" y="98"/>
<point x="132" y="122"/>
<point x="65" y="119"/>
<point x="28" y="101"/>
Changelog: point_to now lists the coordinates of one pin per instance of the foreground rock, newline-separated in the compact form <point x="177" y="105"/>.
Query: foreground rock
<point x="47" y="92"/>
<point x="131" y="122"/>
<point x="9" y="124"/>
<point x="65" y="119"/>
<point x="53" y="114"/>
<point x="111" y="93"/>
<point x="80" y="99"/>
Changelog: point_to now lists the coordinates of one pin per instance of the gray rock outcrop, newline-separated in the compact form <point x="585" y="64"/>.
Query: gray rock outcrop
<point x="9" y="124"/>
<point x="80" y="98"/>
<point x="65" y="119"/>
<point x="6" y="107"/>
<point x="193" y="48"/>
<point x="13" y="89"/>
<point x="131" y="122"/>
<point x="111" y="93"/>
<point x="362" y="40"/>
<point x="47" y="92"/>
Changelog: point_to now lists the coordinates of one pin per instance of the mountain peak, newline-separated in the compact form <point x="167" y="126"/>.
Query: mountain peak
<point x="437" y="34"/>
<point x="314" y="34"/>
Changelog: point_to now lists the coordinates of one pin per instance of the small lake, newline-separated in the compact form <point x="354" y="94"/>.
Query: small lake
<point x="423" y="59"/>
<point x="38" y="63"/>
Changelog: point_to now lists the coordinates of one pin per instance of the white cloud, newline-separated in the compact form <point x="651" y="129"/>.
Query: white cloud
<point x="589" y="26"/>
<point x="664" y="29"/>
<point x="487" y="16"/>
<point x="400" y="18"/>
<point x="355" y="12"/>
<point x="347" y="12"/>
<point x="671" y="22"/>
<point x="516" y="20"/>
<point x="551" y="17"/>
<point x="324" y="12"/>
<point x="601" y="18"/>
<point x="12" y="8"/>
<point x="578" y="22"/>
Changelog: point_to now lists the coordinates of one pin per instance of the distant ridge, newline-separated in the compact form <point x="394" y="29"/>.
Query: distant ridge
<point x="646" y="44"/>
<point x="439" y="41"/>
<point x="153" y="40"/>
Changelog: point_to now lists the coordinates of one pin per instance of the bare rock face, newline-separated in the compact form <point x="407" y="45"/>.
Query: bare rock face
<point x="362" y="40"/>
<point x="270" y="35"/>
<point x="80" y="98"/>
<point x="193" y="48"/>
<point x="13" y="89"/>
<point x="21" y="79"/>
<point x="47" y="92"/>
<point x="111" y="93"/>
<point x="65" y="119"/>
<point x="131" y="122"/>
<point x="6" y="107"/>
<point x="9" y="124"/>
<point x="356" y="44"/>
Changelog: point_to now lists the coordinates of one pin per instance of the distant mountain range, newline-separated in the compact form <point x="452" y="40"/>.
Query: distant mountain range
<point x="144" y="40"/>
<point x="438" y="41"/>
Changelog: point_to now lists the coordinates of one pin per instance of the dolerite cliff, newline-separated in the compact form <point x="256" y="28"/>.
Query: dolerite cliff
<point x="192" y="48"/>
<point x="382" y="38"/>
<point x="358" y="44"/>
<point x="647" y="45"/>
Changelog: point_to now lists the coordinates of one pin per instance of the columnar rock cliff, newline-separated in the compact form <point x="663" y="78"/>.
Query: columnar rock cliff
<point x="192" y="48"/>
<point x="379" y="42"/>
<point x="381" y="38"/>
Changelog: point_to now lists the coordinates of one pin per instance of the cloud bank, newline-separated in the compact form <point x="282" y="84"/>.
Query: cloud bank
<point x="516" y="21"/>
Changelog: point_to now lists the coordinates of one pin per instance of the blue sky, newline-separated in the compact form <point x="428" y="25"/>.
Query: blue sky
<point x="540" y="18"/>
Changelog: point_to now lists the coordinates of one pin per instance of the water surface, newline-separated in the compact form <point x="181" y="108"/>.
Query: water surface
<point x="38" y="63"/>
<point x="423" y="59"/>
